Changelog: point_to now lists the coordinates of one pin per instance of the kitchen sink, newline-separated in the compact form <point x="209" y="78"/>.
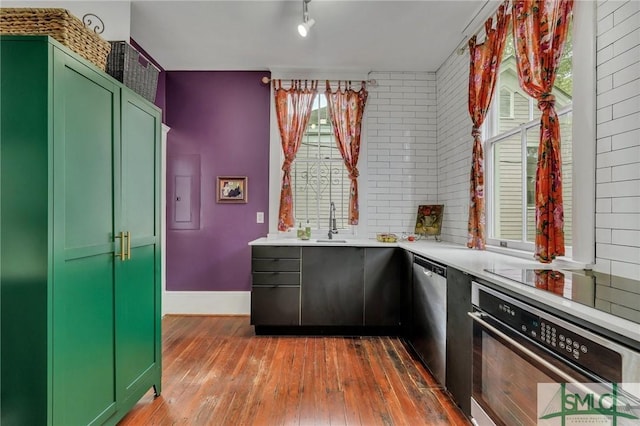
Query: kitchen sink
<point x="326" y="240"/>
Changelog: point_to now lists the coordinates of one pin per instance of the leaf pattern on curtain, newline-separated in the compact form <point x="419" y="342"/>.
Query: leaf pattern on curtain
<point x="540" y="30"/>
<point x="293" y="109"/>
<point x="346" y="109"/>
<point x="485" y="61"/>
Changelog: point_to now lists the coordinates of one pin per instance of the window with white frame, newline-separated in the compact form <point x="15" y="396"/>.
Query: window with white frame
<point x="512" y="151"/>
<point x="318" y="173"/>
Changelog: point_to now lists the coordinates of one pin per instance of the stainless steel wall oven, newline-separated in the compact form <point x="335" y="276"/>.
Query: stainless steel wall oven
<point x="516" y="346"/>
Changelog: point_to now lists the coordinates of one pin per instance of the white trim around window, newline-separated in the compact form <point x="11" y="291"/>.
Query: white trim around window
<point x="582" y="252"/>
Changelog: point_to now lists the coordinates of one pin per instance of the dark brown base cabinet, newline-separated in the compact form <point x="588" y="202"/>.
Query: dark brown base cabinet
<point x="328" y="289"/>
<point x="459" y="338"/>
<point x="79" y="219"/>
<point x="275" y="293"/>
<point x="332" y="286"/>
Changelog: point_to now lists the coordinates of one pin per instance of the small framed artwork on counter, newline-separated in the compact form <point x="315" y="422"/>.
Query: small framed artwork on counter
<point x="232" y="189"/>
<point x="429" y="220"/>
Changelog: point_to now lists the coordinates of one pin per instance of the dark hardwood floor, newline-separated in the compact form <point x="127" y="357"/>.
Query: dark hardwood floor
<point x="217" y="372"/>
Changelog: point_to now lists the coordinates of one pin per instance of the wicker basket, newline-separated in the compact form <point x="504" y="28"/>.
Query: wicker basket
<point x="59" y="24"/>
<point x="127" y="65"/>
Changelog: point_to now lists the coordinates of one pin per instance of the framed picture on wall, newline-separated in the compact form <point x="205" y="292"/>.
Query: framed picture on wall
<point x="231" y="189"/>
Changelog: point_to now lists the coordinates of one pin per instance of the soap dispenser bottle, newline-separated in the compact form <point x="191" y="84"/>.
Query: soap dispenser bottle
<point x="301" y="234"/>
<point x="307" y="230"/>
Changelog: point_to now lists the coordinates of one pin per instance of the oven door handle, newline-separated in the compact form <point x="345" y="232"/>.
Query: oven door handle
<point x="478" y="317"/>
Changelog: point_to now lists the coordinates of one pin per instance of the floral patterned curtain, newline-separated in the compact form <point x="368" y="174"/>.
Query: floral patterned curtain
<point x="540" y="29"/>
<point x="483" y="74"/>
<point x="346" y="109"/>
<point x="293" y="109"/>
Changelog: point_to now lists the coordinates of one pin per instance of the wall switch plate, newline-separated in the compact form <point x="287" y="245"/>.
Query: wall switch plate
<point x="260" y="217"/>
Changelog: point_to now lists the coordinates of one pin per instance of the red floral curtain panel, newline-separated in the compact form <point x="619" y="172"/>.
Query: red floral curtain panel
<point x="346" y="109"/>
<point x="483" y="74"/>
<point x="293" y="109"/>
<point x="540" y="30"/>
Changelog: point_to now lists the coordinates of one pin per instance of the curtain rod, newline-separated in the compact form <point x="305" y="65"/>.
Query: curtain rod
<point x="371" y="81"/>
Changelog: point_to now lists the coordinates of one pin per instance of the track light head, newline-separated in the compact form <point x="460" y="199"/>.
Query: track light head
<point x="303" y="29"/>
<point x="305" y="26"/>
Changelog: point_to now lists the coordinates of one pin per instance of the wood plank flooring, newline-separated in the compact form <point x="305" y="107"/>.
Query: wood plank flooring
<point x="217" y="372"/>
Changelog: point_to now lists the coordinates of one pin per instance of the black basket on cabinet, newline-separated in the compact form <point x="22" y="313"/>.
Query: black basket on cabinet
<point x="130" y="67"/>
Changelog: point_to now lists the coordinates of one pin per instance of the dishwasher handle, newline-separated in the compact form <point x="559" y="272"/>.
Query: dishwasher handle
<point x="430" y="267"/>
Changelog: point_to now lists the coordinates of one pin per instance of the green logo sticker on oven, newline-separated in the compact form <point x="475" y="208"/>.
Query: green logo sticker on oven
<point x="567" y="404"/>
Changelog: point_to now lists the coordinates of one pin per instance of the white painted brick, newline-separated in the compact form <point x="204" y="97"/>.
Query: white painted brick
<point x="604" y="114"/>
<point x="618" y="189"/>
<point x="626" y="205"/>
<point x="618" y="253"/>
<point x="603" y="145"/>
<point x="607" y="65"/>
<point x="602" y="265"/>
<point x="628" y="12"/>
<point x="628" y="221"/>
<point x="626" y="172"/>
<point x="626" y="140"/>
<point x="628" y="107"/>
<point x="605" y="54"/>
<point x="618" y="94"/>
<point x="626" y="75"/>
<point x="626" y="269"/>
<point x="604" y="84"/>
<point x="603" y="205"/>
<point x="605" y="24"/>
<point x="618" y="125"/>
<point x="608" y="7"/>
<point x="603" y="175"/>
<point x="603" y="236"/>
<point x="617" y="32"/>
<point x="629" y="41"/>
<point x="619" y="152"/>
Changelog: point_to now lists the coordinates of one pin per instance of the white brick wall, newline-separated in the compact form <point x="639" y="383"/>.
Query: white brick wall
<point x="400" y="149"/>
<point x="618" y="138"/>
<point x="454" y="146"/>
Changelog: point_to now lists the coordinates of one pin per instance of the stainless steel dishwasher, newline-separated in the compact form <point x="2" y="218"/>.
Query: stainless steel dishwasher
<point x="429" y="312"/>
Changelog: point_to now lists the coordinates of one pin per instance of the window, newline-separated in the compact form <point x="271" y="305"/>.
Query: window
<point x="512" y="146"/>
<point x="506" y="103"/>
<point x="318" y="173"/>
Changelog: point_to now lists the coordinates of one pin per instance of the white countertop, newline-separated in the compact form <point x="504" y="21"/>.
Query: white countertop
<point x="474" y="262"/>
<point x="313" y="242"/>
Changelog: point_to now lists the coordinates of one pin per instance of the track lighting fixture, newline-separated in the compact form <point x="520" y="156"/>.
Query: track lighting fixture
<point x="305" y="26"/>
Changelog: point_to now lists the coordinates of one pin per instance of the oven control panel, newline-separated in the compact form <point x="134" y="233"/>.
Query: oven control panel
<point x="568" y="344"/>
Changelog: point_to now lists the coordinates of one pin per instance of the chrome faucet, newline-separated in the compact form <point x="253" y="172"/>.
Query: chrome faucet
<point x="332" y="221"/>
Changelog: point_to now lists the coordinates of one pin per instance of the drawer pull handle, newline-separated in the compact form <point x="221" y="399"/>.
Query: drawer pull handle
<point x="122" y="252"/>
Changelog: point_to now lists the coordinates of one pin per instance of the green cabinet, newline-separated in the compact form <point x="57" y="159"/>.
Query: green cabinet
<point x="80" y="239"/>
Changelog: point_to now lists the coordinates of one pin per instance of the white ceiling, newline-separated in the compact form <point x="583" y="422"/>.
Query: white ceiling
<point x="349" y="35"/>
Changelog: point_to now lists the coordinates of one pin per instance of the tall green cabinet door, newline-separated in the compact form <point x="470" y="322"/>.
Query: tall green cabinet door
<point x="138" y="347"/>
<point x="85" y="153"/>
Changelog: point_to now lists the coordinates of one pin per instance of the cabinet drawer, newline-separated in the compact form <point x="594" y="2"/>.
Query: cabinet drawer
<point x="276" y="278"/>
<point x="275" y="306"/>
<point x="271" y="252"/>
<point x="276" y="265"/>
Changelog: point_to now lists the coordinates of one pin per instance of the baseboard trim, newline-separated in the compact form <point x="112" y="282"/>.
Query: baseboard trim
<point x="206" y="302"/>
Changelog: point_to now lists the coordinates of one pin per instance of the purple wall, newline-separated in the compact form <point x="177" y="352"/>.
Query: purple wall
<point x="224" y="118"/>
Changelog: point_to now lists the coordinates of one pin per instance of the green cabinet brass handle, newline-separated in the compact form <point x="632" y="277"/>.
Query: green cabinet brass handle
<point x="122" y="253"/>
<point x="128" y="245"/>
